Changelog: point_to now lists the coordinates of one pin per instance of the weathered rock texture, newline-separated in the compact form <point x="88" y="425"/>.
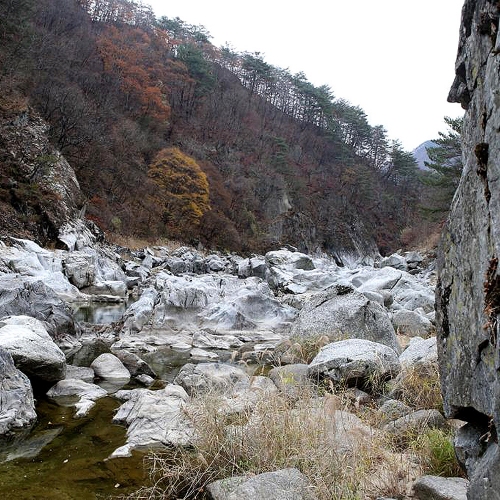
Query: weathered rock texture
<point x="468" y="291"/>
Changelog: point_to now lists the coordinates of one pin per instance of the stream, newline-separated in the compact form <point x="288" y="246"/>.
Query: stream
<point x="72" y="463"/>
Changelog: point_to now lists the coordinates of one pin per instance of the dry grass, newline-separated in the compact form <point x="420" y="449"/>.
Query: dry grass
<point x="300" y="349"/>
<point x="136" y="243"/>
<point x="419" y="387"/>
<point x="341" y="460"/>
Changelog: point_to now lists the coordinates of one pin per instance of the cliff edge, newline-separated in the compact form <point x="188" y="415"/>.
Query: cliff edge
<point x="468" y="291"/>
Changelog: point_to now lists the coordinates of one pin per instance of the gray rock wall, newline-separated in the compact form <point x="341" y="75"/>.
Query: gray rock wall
<point x="468" y="291"/>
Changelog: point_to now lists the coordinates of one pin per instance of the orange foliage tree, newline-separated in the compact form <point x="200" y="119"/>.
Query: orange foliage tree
<point x="183" y="190"/>
<point x="129" y="54"/>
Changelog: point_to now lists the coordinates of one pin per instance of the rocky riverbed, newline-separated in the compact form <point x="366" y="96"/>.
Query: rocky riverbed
<point x="195" y="322"/>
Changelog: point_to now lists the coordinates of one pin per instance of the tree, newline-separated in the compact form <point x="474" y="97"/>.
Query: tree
<point x="183" y="189"/>
<point x="445" y="168"/>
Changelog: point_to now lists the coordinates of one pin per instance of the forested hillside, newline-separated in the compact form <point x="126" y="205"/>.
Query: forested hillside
<point x="172" y="136"/>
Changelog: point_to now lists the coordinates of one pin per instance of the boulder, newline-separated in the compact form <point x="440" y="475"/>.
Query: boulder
<point x="415" y="423"/>
<point x="154" y="419"/>
<point x="355" y="361"/>
<point x="107" y="366"/>
<point x="79" y="269"/>
<point x="208" y="377"/>
<point x="86" y="394"/>
<point x="289" y="260"/>
<point x="396" y="261"/>
<point x="440" y="488"/>
<point x="343" y="313"/>
<point x="420" y="353"/>
<point x="31" y="297"/>
<point x="288" y="484"/>
<point x="32" y="348"/>
<point x="133" y="363"/>
<point x="411" y="323"/>
<point x="17" y="406"/>
<point x="140" y="312"/>
<point x="392" y="409"/>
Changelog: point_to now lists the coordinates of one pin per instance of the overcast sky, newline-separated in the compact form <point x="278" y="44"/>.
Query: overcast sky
<point x="393" y="58"/>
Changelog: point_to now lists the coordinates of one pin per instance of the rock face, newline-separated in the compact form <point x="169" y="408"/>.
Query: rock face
<point x="468" y="289"/>
<point x="17" y="407"/>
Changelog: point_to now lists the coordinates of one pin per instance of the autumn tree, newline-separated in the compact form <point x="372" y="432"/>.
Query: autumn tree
<point x="183" y="190"/>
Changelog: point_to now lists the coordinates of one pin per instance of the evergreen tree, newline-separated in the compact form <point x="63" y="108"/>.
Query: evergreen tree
<point x="445" y="168"/>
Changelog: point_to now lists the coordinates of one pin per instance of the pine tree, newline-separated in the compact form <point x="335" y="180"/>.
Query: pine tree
<point x="445" y="168"/>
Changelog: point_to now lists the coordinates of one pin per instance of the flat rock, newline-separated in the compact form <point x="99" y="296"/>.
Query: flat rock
<point x="289" y="484"/>
<point x="440" y="488"/>
<point x="32" y="348"/>
<point x="76" y="393"/>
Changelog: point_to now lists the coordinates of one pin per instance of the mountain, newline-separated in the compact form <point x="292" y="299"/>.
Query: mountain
<point x="170" y="136"/>
<point x="420" y="154"/>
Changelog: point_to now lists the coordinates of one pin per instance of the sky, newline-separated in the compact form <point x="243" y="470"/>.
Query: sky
<point x="393" y="58"/>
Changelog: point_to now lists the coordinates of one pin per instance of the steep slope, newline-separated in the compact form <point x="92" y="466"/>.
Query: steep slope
<point x="286" y="162"/>
<point x="39" y="192"/>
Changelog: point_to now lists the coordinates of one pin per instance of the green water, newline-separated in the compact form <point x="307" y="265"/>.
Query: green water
<point x="73" y="465"/>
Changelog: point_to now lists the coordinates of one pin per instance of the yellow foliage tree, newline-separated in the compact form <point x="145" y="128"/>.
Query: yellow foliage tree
<point x="183" y="189"/>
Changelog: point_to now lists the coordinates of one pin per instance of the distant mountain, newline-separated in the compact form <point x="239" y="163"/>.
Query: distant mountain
<point x="420" y="153"/>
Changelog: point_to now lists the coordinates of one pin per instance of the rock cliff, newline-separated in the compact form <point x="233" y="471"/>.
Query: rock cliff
<point x="468" y="291"/>
<point x="39" y="192"/>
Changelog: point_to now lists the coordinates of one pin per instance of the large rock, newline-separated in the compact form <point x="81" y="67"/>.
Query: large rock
<point x="440" y="488"/>
<point x="355" y="360"/>
<point x="32" y="348"/>
<point x="154" y="419"/>
<point x="216" y="377"/>
<point x="411" y="323"/>
<point x="31" y="297"/>
<point x="17" y="406"/>
<point x="79" y="269"/>
<point x="420" y="353"/>
<point x="468" y="289"/>
<point x="108" y="367"/>
<point x="289" y="484"/>
<point x="342" y="313"/>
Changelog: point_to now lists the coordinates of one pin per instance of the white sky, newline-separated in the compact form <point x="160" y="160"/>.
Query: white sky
<point x="393" y="58"/>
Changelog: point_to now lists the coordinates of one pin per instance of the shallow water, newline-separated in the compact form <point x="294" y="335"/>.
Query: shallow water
<point x="73" y="465"/>
<point x="99" y="313"/>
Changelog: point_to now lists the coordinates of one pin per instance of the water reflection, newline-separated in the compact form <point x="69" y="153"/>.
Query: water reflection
<point x="71" y="463"/>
